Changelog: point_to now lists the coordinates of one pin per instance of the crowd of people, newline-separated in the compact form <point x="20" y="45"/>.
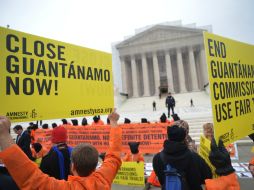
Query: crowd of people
<point x="76" y="168"/>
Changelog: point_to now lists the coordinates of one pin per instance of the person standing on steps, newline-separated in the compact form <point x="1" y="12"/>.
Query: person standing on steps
<point x="170" y="103"/>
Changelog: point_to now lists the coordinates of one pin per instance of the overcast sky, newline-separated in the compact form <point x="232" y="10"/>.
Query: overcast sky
<point x="98" y="23"/>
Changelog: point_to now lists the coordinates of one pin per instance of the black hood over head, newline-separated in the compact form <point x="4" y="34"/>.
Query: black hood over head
<point x="176" y="153"/>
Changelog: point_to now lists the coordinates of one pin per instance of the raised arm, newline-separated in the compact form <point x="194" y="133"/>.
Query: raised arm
<point x="25" y="173"/>
<point x="112" y="160"/>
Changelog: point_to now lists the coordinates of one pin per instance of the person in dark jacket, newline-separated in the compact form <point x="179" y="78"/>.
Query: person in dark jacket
<point x="176" y="153"/>
<point x="170" y="103"/>
<point x="51" y="164"/>
<point x="23" y="140"/>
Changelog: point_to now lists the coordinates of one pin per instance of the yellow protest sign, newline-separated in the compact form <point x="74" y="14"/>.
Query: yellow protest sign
<point x="252" y="150"/>
<point x="45" y="79"/>
<point x="130" y="173"/>
<point x="231" y="79"/>
<point x="204" y="150"/>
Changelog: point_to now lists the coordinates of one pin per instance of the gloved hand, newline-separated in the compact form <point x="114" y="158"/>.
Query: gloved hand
<point x="220" y="158"/>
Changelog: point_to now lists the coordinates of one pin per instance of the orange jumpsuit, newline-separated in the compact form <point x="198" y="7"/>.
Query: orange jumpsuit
<point x="28" y="176"/>
<point x="229" y="182"/>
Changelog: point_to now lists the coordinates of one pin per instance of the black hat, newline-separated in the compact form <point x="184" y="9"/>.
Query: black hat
<point x="134" y="147"/>
<point x="176" y="133"/>
<point x="144" y="120"/>
<point x="37" y="147"/>
<point x="54" y="125"/>
<point x="126" y="120"/>
<point x="84" y="121"/>
<point x="163" y="118"/>
<point x="45" y="126"/>
<point x="96" y="119"/>
<point x="64" y="121"/>
<point x="175" y="117"/>
<point x="74" y="122"/>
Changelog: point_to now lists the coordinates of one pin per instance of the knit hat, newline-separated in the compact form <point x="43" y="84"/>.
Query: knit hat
<point x="59" y="135"/>
<point x="134" y="147"/>
<point x="176" y="133"/>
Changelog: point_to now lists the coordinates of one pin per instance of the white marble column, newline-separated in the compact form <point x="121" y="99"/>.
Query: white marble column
<point x="203" y="66"/>
<point x="123" y="74"/>
<point x="145" y="76"/>
<point x="134" y="77"/>
<point x="193" y="72"/>
<point x="156" y="73"/>
<point x="181" y="74"/>
<point x="169" y="72"/>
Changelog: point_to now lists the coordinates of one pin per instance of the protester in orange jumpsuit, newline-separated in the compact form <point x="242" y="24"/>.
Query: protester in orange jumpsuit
<point x="220" y="158"/>
<point x="84" y="161"/>
<point x="134" y="155"/>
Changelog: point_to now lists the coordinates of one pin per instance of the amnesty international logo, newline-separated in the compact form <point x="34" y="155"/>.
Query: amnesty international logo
<point x="33" y="114"/>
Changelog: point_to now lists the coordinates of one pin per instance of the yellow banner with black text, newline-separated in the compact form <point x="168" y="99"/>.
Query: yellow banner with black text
<point x="231" y="79"/>
<point x="42" y="78"/>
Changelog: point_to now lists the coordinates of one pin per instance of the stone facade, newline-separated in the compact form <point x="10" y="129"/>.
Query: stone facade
<point x="163" y="57"/>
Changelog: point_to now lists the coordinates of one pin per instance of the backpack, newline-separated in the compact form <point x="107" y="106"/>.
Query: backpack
<point x="174" y="180"/>
<point x="61" y="160"/>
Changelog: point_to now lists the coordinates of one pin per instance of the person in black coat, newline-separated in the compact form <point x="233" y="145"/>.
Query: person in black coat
<point x="51" y="163"/>
<point x="176" y="153"/>
<point x="23" y="140"/>
<point x="170" y="103"/>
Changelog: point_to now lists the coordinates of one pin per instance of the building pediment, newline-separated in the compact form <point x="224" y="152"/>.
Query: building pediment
<point x="158" y="34"/>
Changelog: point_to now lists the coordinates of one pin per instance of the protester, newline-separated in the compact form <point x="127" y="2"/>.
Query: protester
<point x="208" y="131"/>
<point x="163" y="118"/>
<point x="152" y="180"/>
<point x="176" y="153"/>
<point x="134" y="155"/>
<point x="175" y="117"/>
<point x="57" y="162"/>
<point x="84" y="161"/>
<point x="97" y="121"/>
<point x="144" y="120"/>
<point x="54" y="125"/>
<point x="45" y="126"/>
<point x="220" y="159"/>
<point x="170" y="103"/>
<point x="84" y="122"/>
<point x="74" y="122"/>
<point x="23" y="140"/>
<point x="127" y="121"/>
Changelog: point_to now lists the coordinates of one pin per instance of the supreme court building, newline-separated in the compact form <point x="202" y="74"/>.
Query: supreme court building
<point x="169" y="58"/>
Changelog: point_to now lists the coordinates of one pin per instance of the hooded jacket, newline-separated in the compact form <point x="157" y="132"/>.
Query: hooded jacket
<point x="28" y="176"/>
<point x="188" y="163"/>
